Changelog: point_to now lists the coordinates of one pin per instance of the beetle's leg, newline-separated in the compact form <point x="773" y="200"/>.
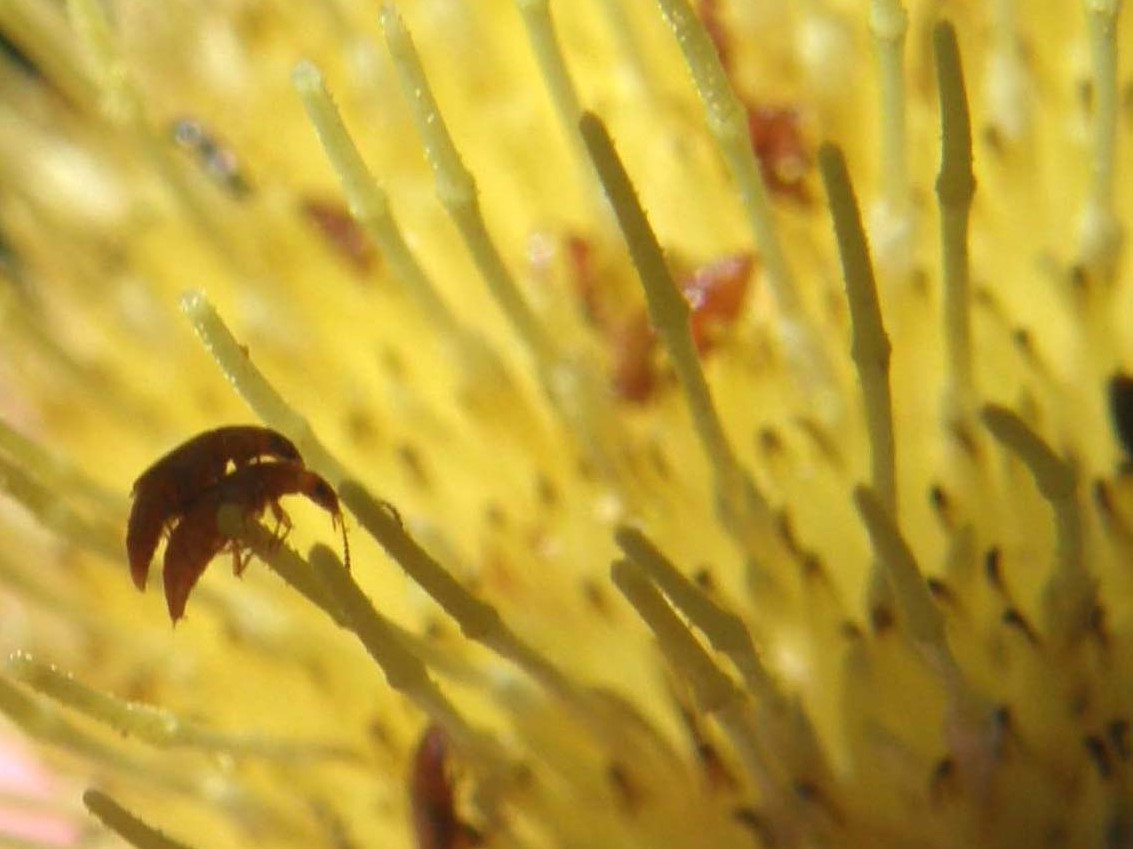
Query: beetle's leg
<point x="282" y="523"/>
<point x="241" y="557"/>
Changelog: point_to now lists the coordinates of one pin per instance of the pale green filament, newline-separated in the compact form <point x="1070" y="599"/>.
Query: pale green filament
<point x="46" y="722"/>
<point x="727" y="120"/>
<point x="741" y="507"/>
<point x="119" y="101"/>
<point x="41" y="31"/>
<point x="57" y="472"/>
<point x="236" y="363"/>
<point x="920" y="618"/>
<point x="552" y="65"/>
<point x="889" y="23"/>
<point x="367" y="200"/>
<point x="713" y="691"/>
<point x="970" y="725"/>
<point x="573" y="386"/>
<point x="478" y="620"/>
<point x="723" y="629"/>
<point x="1101" y="234"/>
<point x="456" y="190"/>
<point x="125" y="824"/>
<point x="870" y="344"/>
<point x="790" y="734"/>
<point x="629" y="41"/>
<point x="403" y="670"/>
<point x="154" y="726"/>
<point x="53" y="509"/>
<point x="711" y="688"/>
<point x="955" y="187"/>
<point x="297" y="573"/>
<point x="481" y="370"/>
<point x="122" y="106"/>
<point x="1008" y="98"/>
<point x="1070" y="593"/>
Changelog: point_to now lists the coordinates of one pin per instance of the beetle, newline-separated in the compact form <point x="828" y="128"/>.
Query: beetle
<point x="166" y="489"/>
<point x="432" y="798"/>
<point x="197" y="538"/>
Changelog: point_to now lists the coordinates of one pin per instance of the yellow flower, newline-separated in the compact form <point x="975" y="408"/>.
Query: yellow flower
<point x="849" y="566"/>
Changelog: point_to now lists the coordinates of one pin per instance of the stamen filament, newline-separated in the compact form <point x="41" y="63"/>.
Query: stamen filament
<point x="122" y="106"/>
<point x="1101" y="234"/>
<point x="41" y="32"/>
<point x="368" y="202"/>
<point x="53" y="509"/>
<point x="457" y="192"/>
<point x="742" y="509"/>
<point x="556" y="76"/>
<point x="403" y="670"/>
<point x="788" y="733"/>
<point x="955" y="188"/>
<point x="154" y="726"/>
<point x="1070" y="592"/>
<point x="478" y="620"/>
<point x="727" y="121"/>
<point x="870" y="345"/>
<point x="713" y="691"/>
<point x="920" y="617"/>
<point x="250" y="383"/>
<point x="126" y="825"/>
<point x="889" y="23"/>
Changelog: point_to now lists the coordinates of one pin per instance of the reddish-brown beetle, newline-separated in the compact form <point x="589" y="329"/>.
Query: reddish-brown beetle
<point x="432" y="799"/>
<point x="197" y="538"/>
<point x="167" y="488"/>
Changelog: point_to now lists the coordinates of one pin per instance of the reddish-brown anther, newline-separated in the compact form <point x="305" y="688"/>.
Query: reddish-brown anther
<point x="341" y="232"/>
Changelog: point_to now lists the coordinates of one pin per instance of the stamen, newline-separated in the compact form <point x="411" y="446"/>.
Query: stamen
<point x="1101" y="235"/>
<point x="125" y="824"/>
<point x="955" y="187"/>
<point x="478" y="620"/>
<point x="154" y="726"/>
<point x="250" y="383"/>
<point x="369" y="204"/>
<point x="41" y="32"/>
<point x="628" y="37"/>
<point x="46" y="722"/>
<point x="456" y="189"/>
<point x="58" y="472"/>
<point x="281" y="558"/>
<point x="119" y="102"/>
<point x="53" y="509"/>
<point x="787" y="729"/>
<point x="870" y="344"/>
<point x="572" y="384"/>
<point x="122" y="106"/>
<point x="742" y="509"/>
<point x="713" y="691"/>
<point x="1070" y="594"/>
<point x="483" y="375"/>
<point x="1007" y="85"/>
<point x="727" y="120"/>
<point x="724" y="630"/>
<point x="920" y="617"/>
<point x="552" y="65"/>
<point x="893" y="222"/>
<point x="403" y="670"/>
